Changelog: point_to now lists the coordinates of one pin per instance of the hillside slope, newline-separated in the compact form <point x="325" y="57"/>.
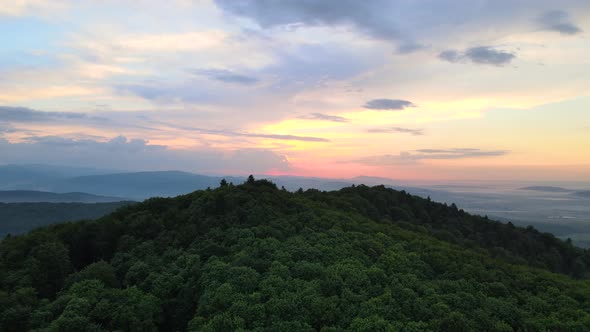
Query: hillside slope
<point x="18" y="218"/>
<point x="252" y="257"/>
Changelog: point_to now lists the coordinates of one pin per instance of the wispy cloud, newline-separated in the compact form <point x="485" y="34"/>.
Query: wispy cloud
<point x="428" y="154"/>
<point x="244" y="134"/>
<point x="397" y="130"/>
<point x="385" y="104"/>
<point x="484" y="55"/>
<point x="324" y="117"/>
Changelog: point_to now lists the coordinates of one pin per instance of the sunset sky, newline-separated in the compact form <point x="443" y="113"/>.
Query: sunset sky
<point x="414" y="90"/>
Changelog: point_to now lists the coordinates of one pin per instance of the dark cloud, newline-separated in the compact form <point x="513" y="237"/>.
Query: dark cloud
<point x="23" y="114"/>
<point x="137" y="154"/>
<point x="450" y="56"/>
<point x="388" y="104"/>
<point x="428" y="154"/>
<point x="484" y="55"/>
<point x="489" y="56"/>
<point x="409" y="47"/>
<point x="372" y="17"/>
<point x="324" y="117"/>
<point x="406" y="23"/>
<point x="397" y="130"/>
<point x="226" y="76"/>
<point x="558" y="21"/>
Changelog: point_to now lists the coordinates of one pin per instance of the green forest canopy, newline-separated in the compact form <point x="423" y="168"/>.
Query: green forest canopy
<point x="18" y="218"/>
<point x="254" y="257"/>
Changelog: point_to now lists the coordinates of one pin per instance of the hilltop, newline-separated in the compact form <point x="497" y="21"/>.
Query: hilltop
<point x="254" y="257"/>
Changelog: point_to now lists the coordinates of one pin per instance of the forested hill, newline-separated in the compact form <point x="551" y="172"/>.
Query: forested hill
<point x="254" y="257"/>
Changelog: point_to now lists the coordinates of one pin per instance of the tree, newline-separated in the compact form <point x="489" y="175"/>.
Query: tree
<point x="49" y="265"/>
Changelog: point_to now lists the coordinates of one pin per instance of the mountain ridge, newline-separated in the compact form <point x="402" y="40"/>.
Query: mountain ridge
<point x="34" y="196"/>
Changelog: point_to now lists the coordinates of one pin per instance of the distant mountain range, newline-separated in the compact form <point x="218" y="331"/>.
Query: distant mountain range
<point x="32" y="196"/>
<point x="142" y="185"/>
<point x="117" y="185"/>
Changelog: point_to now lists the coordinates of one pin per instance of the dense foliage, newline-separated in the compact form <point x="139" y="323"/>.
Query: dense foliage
<point x="253" y="257"/>
<point x="18" y="218"/>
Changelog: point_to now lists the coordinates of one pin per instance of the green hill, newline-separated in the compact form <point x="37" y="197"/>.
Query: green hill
<point x="253" y="257"/>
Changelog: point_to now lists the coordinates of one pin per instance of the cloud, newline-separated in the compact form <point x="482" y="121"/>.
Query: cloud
<point x="397" y="130"/>
<point x="558" y="21"/>
<point x="458" y="153"/>
<point x="450" y="56"/>
<point x="28" y="7"/>
<point x="295" y="69"/>
<point x="226" y="76"/>
<point x="489" y="56"/>
<point x="6" y="128"/>
<point x="9" y="114"/>
<point x="373" y="17"/>
<point x="388" y="104"/>
<point x="186" y="92"/>
<point x="23" y="114"/>
<point x="324" y="117"/>
<point x="137" y="154"/>
<point x="26" y="115"/>
<point x="244" y="134"/>
<point x="428" y="154"/>
<point x="484" y="55"/>
<point x="141" y="43"/>
<point x="310" y="65"/>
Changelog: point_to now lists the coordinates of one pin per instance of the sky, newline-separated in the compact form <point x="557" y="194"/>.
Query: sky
<point x="408" y="89"/>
